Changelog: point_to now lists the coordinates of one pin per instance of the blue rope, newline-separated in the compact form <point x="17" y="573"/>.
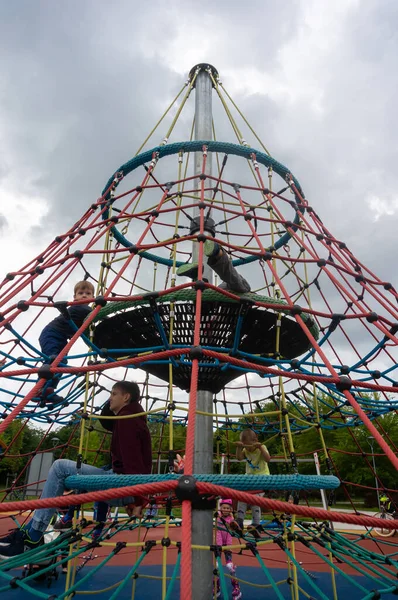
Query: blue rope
<point x="197" y="146"/>
<point x="236" y="482"/>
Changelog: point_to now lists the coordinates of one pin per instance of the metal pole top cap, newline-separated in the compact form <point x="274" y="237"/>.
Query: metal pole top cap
<point x="203" y="67"/>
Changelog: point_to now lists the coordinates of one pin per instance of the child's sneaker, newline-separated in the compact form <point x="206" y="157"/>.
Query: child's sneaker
<point x="211" y="248"/>
<point x="231" y="567"/>
<point x="188" y="270"/>
<point x="236" y="593"/>
<point x="234" y="526"/>
<point x="252" y="529"/>
<point x="97" y="532"/>
<point x="63" y="524"/>
<point x="9" y="538"/>
<point x="21" y="543"/>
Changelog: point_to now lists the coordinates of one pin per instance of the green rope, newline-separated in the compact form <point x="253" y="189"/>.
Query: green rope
<point x="333" y="566"/>
<point x="128" y="576"/>
<point x="34" y="556"/>
<point x="269" y="576"/>
<point x="344" y="550"/>
<point x="173" y="577"/>
<point x="91" y="573"/>
<point x="223" y="583"/>
<point x="305" y="575"/>
<point x="371" y="595"/>
<point x="353" y="548"/>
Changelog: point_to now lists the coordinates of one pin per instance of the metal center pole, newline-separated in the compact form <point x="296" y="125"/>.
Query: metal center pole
<point x="202" y="520"/>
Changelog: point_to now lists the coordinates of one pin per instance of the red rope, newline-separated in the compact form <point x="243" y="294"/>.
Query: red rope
<point x="186" y="552"/>
<point x="144" y="489"/>
<point x="303" y="511"/>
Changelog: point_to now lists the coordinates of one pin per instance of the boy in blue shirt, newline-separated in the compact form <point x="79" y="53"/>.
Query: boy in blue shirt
<point x="58" y="332"/>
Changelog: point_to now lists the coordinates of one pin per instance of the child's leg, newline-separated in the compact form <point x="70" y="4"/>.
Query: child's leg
<point x="222" y="265"/>
<point x="236" y="593"/>
<point x="100" y="511"/>
<point x="71" y="513"/>
<point x="241" y="512"/>
<point x="256" y="515"/>
<point x="228" y="561"/>
<point x="66" y="521"/>
<point x="100" y="514"/>
<point x="51" y="344"/>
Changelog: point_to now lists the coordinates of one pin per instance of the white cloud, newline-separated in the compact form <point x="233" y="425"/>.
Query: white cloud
<point x="382" y="206"/>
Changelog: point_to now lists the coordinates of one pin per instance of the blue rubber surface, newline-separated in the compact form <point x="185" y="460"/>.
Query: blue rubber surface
<point x="150" y="589"/>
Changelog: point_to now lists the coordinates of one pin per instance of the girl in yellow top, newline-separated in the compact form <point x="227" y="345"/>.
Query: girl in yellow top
<point x="257" y="458"/>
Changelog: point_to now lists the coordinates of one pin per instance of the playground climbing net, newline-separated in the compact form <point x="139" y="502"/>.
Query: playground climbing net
<point x="306" y="359"/>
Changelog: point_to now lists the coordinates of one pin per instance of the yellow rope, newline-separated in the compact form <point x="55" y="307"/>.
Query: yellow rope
<point x="244" y="119"/>
<point x="164" y="115"/>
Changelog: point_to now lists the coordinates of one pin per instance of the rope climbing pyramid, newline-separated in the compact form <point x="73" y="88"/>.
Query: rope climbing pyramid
<point x="203" y="273"/>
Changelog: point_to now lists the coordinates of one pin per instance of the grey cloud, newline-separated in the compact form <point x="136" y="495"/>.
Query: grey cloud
<point x="85" y="82"/>
<point x="3" y="223"/>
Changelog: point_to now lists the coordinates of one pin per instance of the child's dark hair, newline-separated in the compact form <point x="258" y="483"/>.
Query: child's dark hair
<point x="129" y="387"/>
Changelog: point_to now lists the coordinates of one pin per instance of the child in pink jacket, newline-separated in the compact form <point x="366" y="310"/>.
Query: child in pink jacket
<point x="226" y="521"/>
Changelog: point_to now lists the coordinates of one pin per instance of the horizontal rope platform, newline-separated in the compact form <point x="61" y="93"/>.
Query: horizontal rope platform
<point x="203" y="488"/>
<point x="237" y="482"/>
<point x="208" y="295"/>
<point x="225" y="323"/>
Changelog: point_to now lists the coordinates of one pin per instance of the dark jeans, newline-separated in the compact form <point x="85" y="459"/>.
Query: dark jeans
<point x="232" y="280"/>
<point x="51" y="344"/>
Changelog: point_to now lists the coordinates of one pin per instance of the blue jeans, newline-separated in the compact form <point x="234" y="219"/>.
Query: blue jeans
<point x="55" y="486"/>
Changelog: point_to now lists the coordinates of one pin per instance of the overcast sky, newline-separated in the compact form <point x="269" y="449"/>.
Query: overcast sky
<point x="83" y="82"/>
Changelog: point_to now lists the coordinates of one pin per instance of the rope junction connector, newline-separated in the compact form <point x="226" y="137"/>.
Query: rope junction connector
<point x="187" y="490"/>
<point x="209" y="225"/>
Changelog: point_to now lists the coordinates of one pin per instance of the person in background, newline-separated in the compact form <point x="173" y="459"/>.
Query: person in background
<point x="257" y="458"/>
<point x="226" y="521"/>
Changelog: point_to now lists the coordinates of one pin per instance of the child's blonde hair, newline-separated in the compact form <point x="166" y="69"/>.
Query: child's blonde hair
<point x="83" y="284"/>
<point x="248" y="435"/>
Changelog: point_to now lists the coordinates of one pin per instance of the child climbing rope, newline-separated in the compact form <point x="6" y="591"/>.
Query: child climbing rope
<point x="257" y="458"/>
<point x="58" y="332"/>
<point x="221" y="264"/>
<point x="225" y="521"/>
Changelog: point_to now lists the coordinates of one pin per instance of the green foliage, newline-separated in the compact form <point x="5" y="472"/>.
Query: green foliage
<point x="12" y="461"/>
<point x="349" y="448"/>
<point x="160" y="434"/>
